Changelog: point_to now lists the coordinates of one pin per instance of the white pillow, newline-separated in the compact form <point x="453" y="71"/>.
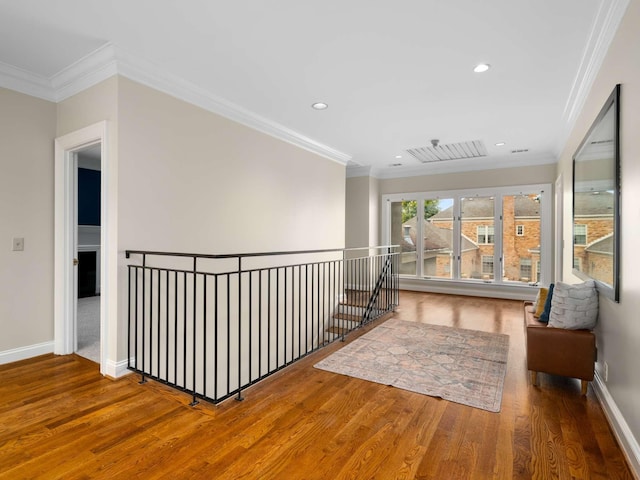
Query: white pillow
<point x="574" y="307"/>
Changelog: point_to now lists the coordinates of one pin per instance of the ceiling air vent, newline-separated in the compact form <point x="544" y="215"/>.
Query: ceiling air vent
<point x="451" y="151"/>
<point x="522" y="150"/>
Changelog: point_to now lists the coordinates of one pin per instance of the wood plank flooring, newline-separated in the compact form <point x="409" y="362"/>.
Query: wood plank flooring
<point x="60" y="419"/>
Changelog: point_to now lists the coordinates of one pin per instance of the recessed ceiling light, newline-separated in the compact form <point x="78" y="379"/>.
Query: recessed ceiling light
<point x="398" y="156"/>
<point x="500" y="144"/>
<point x="319" y="106"/>
<point x="481" y="67"/>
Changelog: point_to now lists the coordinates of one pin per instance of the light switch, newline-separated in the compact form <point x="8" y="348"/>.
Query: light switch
<point x="18" y="244"/>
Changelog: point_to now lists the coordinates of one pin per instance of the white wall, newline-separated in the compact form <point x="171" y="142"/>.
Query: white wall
<point x="618" y="331"/>
<point x="27" y="130"/>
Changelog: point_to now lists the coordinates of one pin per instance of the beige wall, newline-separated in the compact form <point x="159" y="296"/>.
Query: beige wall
<point x="193" y="181"/>
<point x="96" y="104"/>
<point x="90" y="106"/>
<point x="502" y="177"/>
<point x="27" y="130"/>
<point x="181" y="179"/>
<point x="357" y="216"/>
<point x="618" y="330"/>
<point x="362" y="212"/>
<point x="374" y="211"/>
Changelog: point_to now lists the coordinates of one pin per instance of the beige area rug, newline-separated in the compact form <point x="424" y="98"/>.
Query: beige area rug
<point x="462" y="366"/>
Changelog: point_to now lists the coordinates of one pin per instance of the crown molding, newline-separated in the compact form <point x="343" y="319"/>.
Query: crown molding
<point x="22" y="81"/>
<point x="86" y="72"/>
<point x="109" y="60"/>
<point x="603" y="31"/>
<point x="148" y="74"/>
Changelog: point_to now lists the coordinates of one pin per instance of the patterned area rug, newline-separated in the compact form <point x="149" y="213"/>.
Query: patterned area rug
<point x="462" y="366"/>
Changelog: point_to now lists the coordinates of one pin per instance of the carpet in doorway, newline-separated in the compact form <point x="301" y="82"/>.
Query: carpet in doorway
<point x="89" y="328"/>
<point x="458" y="365"/>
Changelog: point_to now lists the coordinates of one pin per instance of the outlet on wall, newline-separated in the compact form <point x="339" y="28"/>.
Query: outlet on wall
<point x="18" y="244"/>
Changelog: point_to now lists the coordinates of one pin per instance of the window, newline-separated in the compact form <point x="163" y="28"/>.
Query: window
<point x="579" y="234"/>
<point x="479" y="234"/>
<point x="525" y="269"/>
<point x="485" y="234"/>
<point x="487" y="264"/>
<point x="403" y="218"/>
<point x="436" y="233"/>
<point x="519" y="251"/>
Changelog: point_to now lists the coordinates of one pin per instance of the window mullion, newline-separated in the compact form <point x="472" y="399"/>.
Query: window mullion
<point x="420" y="237"/>
<point x="456" y="239"/>
<point x="498" y="254"/>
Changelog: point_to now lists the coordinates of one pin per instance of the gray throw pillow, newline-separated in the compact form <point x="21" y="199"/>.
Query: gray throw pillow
<point x="574" y="307"/>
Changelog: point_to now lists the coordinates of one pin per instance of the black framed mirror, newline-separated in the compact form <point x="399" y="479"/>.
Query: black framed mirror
<point x="596" y="201"/>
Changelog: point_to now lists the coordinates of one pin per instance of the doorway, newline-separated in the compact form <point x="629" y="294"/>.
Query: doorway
<point x="68" y="149"/>
<point x="88" y="252"/>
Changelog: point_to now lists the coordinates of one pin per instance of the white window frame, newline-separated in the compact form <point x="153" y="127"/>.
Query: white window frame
<point x="519" y="230"/>
<point x="546" y="241"/>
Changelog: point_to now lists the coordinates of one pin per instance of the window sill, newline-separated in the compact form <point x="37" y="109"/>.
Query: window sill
<point x="473" y="288"/>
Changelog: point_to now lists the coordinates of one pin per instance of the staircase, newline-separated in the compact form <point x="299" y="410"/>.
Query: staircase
<point x="350" y="312"/>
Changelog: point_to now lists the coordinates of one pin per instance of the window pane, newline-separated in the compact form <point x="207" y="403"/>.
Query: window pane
<point x="521" y="252"/>
<point x="477" y="227"/>
<point x="438" y="238"/>
<point x="403" y="233"/>
<point x="525" y="269"/>
<point x="487" y="264"/>
<point x="579" y="234"/>
<point x="593" y="236"/>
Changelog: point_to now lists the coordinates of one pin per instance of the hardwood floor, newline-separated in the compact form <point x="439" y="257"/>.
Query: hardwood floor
<point x="60" y="419"/>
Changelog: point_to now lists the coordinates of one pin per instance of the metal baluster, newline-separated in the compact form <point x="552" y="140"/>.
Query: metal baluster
<point x="239" y="397"/>
<point x="194" y="401"/>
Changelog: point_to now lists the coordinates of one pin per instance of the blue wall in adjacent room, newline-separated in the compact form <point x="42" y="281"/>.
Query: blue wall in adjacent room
<point x="88" y="197"/>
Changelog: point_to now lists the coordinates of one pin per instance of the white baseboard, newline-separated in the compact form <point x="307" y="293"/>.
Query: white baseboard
<point x="116" y="369"/>
<point x="22" y="353"/>
<point x="618" y="424"/>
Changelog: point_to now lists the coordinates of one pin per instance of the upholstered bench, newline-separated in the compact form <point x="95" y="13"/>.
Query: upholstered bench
<point x="557" y="351"/>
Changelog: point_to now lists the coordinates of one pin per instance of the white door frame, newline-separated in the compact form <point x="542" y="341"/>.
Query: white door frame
<point x="65" y="242"/>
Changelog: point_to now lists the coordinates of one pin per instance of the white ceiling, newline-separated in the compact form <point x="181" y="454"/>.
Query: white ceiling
<point x="394" y="74"/>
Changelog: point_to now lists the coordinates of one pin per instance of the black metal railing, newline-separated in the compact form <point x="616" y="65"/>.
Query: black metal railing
<point x="213" y="325"/>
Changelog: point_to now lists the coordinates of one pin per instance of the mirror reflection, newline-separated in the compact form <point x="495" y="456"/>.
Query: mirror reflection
<point x="594" y="208"/>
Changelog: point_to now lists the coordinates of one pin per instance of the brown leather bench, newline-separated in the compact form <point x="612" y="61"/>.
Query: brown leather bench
<point x="569" y="353"/>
